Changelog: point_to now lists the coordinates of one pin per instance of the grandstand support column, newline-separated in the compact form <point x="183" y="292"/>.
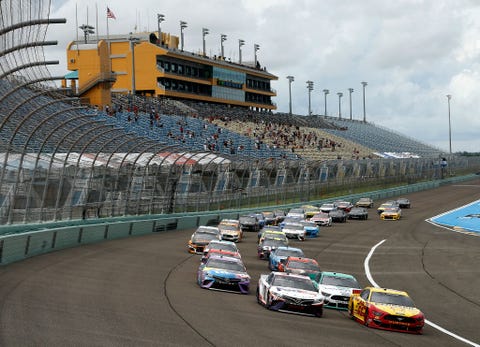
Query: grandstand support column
<point x="325" y="92"/>
<point x="449" y="125"/>
<point x="350" y="90"/>
<point x="223" y="38"/>
<point x="364" y="84"/>
<point x="256" y="47"/>
<point x="133" y="42"/>
<point x="290" y="80"/>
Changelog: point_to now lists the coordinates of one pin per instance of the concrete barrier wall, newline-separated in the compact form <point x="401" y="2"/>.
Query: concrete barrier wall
<point x="18" y="242"/>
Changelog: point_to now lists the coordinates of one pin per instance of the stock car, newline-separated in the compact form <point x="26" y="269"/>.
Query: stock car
<point x="322" y="219"/>
<point x="364" y="202"/>
<point x="279" y="216"/>
<point x="311" y="229"/>
<point x="201" y="237"/>
<point x="230" y="230"/>
<point x="269" y="218"/>
<point x="280" y="291"/>
<point x="387" y="309"/>
<point x="403" y="203"/>
<point x="387" y="204"/>
<point x="268" y="245"/>
<point x="337" y="288"/>
<point x="300" y="266"/>
<point x="344" y="205"/>
<point x="296" y="212"/>
<point x="310" y="210"/>
<point x="338" y="216"/>
<point x="270" y="231"/>
<point x="223" y="273"/>
<point x="358" y="213"/>
<point x="295" y="231"/>
<point x="391" y="213"/>
<point x="221" y="245"/>
<point x="327" y="207"/>
<point x="281" y="253"/>
<point x="249" y="223"/>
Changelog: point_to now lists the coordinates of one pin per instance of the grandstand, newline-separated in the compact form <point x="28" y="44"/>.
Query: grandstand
<point x="156" y="154"/>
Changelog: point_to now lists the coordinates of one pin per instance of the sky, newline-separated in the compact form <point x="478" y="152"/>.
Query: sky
<point x="412" y="53"/>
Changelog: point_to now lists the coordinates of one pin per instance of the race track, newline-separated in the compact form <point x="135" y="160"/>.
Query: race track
<point x="142" y="291"/>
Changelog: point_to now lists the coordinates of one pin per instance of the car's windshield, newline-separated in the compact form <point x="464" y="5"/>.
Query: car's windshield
<point x="223" y="246"/>
<point x="296" y="210"/>
<point x="219" y="263"/>
<point x="293" y="226"/>
<point x="247" y="219"/>
<point x="289" y="252"/>
<point x="303" y="265"/>
<point x="347" y="282"/>
<point x="294" y="282"/>
<point x="274" y="242"/>
<point x="228" y="227"/>
<point x="204" y="236"/>
<point x="392" y="299"/>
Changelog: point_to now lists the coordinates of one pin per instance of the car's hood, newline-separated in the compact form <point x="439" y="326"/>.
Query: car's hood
<point x="398" y="310"/>
<point x="335" y="290"/>
<point x="225" y="273"/>
<point x="296" y="293"/>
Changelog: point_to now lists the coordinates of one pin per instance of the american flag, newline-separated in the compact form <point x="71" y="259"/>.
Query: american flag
<point x="110" y="14"/>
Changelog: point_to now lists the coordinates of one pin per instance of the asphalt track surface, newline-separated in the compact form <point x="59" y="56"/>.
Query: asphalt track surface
<point x="142" y="291"/>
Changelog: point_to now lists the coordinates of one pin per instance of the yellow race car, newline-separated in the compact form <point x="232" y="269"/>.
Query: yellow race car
<point x="387" y="309"/>
<point x="391" y="213"/>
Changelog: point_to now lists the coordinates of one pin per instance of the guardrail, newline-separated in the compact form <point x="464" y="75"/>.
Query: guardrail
<point x="18" y="242"/>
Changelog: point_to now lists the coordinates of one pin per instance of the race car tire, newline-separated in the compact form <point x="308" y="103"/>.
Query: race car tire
<point x="365" y="318"/>
<point x="258" y="296"/>
<point x="319" y="313"/>
<point x="350" y="311"/>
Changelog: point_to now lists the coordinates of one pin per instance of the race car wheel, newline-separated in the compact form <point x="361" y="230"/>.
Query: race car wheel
<point x="319" y="313"/>
<point x="350" y="311"/>
<point x="258" y="296"/>
<point x="365" y="318"/>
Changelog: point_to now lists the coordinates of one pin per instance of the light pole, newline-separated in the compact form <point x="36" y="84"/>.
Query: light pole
<point x="240" y="44"/>
<point x="133" y="42"/>
<point x="449" y="125"/>
<point x="256" y="47"/>
<point x="223" y="38"/>
<point x="340" y="104"/>
<point x="364" y="84"/>
<point x="326" y="92"/>
<point x="204" y="33"/>
<point x="183" y="25"/>
<point x="87" y="30"/>
<point x="350" y="90"/>
<point x="160" y="19"/>
<point x="290" y="80"/>
<point x="310" y="88"/>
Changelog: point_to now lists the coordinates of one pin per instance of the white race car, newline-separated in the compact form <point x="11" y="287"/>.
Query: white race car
<point x="295" y="231"/>
<point x="280" y="291"/>
<point x="337" y="288"/>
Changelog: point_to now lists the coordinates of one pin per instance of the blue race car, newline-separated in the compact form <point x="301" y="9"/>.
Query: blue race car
<point x="311" y="228"/>
<point x="281" y="253"/>
<point x="223" y="273"/>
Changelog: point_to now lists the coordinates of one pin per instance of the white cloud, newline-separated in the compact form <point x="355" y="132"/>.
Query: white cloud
<point x="412" y="53"/>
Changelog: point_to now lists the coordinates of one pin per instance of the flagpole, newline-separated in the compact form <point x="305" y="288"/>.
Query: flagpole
<point x="76" y="21"/>
<point x="96" y="19"/>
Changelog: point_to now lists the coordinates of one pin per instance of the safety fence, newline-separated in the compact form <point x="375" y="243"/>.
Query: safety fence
<point x="19" y="242"/>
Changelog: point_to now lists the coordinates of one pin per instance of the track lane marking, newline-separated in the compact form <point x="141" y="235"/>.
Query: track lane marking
<point x="433" y="325"/>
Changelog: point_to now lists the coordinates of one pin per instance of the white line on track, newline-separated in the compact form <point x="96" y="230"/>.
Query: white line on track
<point x="433" y="325"/>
